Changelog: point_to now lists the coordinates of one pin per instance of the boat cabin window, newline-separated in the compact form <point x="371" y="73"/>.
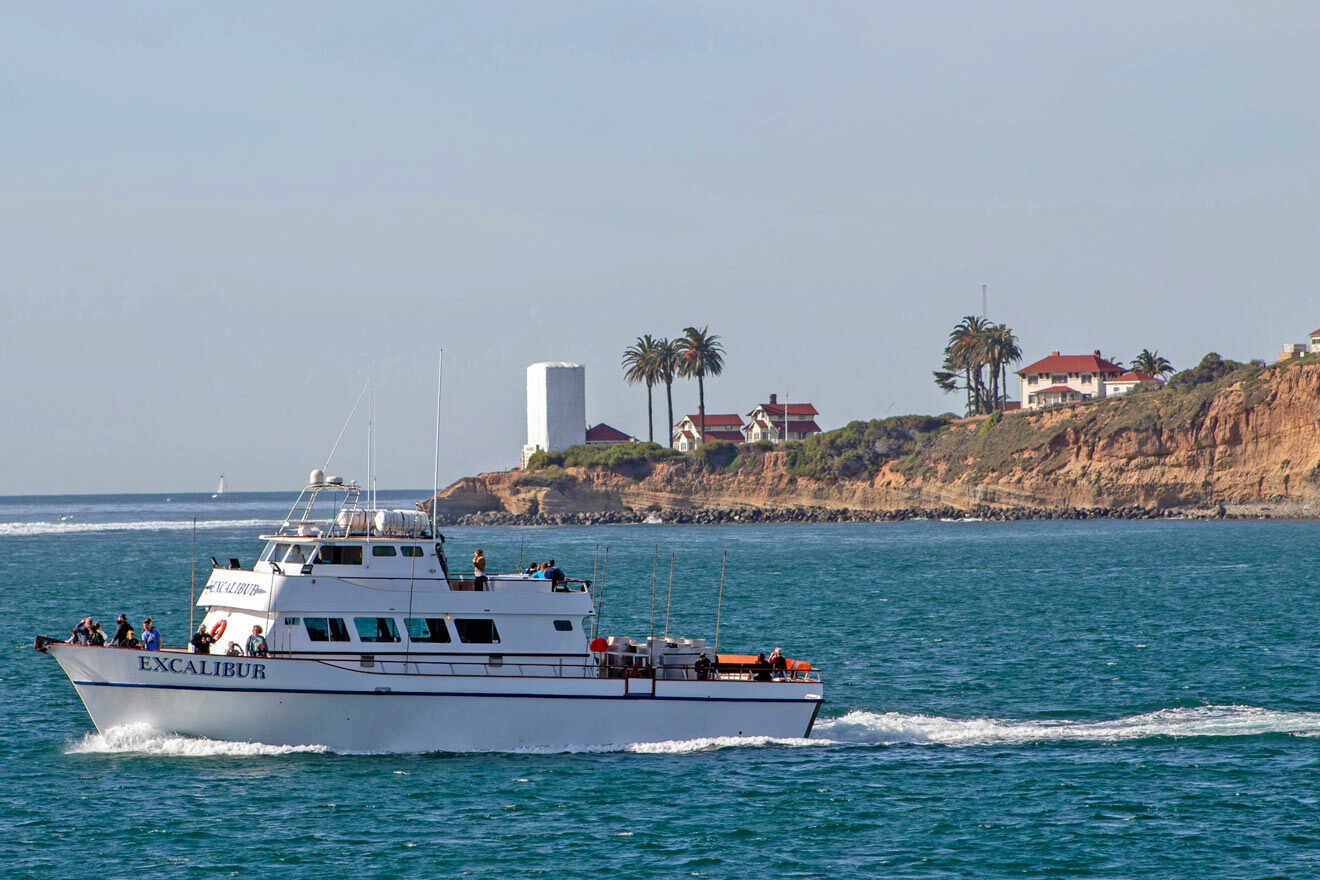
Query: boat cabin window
<point x="411" y="551"/>
<point x="296" y="555"/>
<point x="427" y="629"/>
<point x="477" y="632"/>
<point x="382" y="550"/>
<point x="275" y="552"/>
<point x="326" y="629"/>
<point x="564" y="625"/>
<point x="376" y="629"/>
<point x="334" y="554"/>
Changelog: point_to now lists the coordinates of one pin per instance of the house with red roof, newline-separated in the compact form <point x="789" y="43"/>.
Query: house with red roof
<point x="719" y="426"/>
<point x="603" y="434"/>
<point x="1067" y="378"/>
<point x="777" y="422"/>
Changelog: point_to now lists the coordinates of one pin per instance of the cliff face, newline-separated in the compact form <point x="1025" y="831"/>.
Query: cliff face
<point x="1251" y="445"/>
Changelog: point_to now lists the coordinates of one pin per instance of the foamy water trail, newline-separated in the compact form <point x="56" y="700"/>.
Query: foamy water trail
<point x="880" y="728"/>
<point x="24" y="529"/>
<point x="142" y="739"/>
<point x="856" y="728"/>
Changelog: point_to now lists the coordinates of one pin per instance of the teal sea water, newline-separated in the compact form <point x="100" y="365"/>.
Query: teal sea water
<point x="1098" y="699"/>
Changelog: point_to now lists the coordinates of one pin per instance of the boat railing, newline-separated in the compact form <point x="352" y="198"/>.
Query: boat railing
<point x="504" y="668"/>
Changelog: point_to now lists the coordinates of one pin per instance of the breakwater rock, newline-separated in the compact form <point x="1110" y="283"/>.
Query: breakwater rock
<point x="751" y="515"/>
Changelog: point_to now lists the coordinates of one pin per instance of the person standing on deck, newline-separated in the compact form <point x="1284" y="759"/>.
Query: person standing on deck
<point x="479" y="569"/>
<point x="150" y="636"/>
<point x="256" y="643"/>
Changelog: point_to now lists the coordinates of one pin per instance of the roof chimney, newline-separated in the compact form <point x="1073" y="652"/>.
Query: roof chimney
<point x="772" y="398"/>
<point x="1054" y="353"/>
<point x="1097" y="352"/>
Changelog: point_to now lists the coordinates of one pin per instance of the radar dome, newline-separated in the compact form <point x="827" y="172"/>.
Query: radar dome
<point x="335" y="481"/>
<point x="316" y="477"/>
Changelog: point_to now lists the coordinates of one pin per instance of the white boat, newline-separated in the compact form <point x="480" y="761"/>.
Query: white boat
<point x="220" y="489"/>
<point x="376" y="646"/>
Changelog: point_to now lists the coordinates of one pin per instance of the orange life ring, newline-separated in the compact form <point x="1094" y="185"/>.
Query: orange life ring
<point x="219" y="629"/>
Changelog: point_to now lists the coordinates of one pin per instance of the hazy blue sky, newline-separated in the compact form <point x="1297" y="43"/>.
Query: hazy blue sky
<point x="216" y="221"/>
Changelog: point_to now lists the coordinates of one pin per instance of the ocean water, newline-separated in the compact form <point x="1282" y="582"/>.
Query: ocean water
<point x="1097" y="699"/>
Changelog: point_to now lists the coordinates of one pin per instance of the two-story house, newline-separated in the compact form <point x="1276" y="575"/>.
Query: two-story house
<point x="1066" y="378"/>
<point x="777" y="422"/>
<point x="719" y="426"/>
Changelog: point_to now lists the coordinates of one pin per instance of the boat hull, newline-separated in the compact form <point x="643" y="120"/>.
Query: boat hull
<point x="282" y="701"/>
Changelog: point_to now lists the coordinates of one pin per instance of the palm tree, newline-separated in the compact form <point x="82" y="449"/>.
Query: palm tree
<point x="975" y="345"/>
<point x="1150" y="362"/>
<point x="700" y="354"/>
<point x="966" y="352"/>
<point x="666" y="359"/>
<point x="641" y="366"/>
<point x="1004" y="350"/>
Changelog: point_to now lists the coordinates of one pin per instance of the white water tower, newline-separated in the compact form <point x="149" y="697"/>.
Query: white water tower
<point x="556" y="407"/>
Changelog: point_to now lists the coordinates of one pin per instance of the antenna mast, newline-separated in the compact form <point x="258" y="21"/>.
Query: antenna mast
<point x="435" y="470"/>
<point x="985" y="312"/>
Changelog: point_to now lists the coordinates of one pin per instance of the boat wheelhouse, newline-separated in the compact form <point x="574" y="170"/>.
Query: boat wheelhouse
<point x="376" y="644"/>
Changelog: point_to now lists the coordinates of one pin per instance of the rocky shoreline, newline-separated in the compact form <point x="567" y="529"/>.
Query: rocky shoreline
<point x="751" y="515"/>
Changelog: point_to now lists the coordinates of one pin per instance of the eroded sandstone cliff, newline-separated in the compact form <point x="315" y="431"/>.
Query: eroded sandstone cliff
<point x="1246" y="445"/>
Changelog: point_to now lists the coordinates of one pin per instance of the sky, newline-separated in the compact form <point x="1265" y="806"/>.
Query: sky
<point x="219" y="222"/>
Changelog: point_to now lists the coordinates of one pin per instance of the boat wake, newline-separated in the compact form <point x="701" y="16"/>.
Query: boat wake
<point x="856" y="728"/>
<point x="141" y="739"/>
<point x="861" y="728"/>
<point x="24" y="529"/>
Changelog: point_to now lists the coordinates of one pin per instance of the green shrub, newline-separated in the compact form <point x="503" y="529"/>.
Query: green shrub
<point x="717" y="455"/>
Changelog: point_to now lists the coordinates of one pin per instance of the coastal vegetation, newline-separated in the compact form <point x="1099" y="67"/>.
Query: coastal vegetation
<point x="976" y="361"/>
<point x="1150" y="363"/>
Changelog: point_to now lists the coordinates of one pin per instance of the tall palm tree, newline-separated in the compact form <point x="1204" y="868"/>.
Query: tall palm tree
<point x="700" y="354"/>
<point x="1004" y="350"/>
<point x="641" y="366"/>
<point x="967" y="351"/>
<point x="1150" y="362"/>
<point x="666" y="358"/>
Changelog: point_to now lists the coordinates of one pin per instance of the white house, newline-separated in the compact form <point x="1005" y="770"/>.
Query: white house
<point x="1067" y="378"/>
<point x="719" y="426"/>
<point x="1296" y="349"/>
<point x="777" y="422"/>
<point x="1129" y="380"/>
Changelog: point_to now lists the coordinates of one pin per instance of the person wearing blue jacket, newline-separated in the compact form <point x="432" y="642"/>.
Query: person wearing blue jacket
<point x="150" y="636"/>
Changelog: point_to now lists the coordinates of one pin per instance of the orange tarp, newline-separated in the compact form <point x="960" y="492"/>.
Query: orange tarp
<point x="749" y="659"/>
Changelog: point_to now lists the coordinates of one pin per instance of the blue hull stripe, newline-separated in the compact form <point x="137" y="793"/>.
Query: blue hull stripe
<point x="373" y="693"/>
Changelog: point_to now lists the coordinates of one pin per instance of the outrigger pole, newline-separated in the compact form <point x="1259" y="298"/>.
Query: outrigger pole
<point x="192" y="579"/>
<point x="719" y="605"/>
<point x="669" y="601"/>
<point x="654" y="559"/>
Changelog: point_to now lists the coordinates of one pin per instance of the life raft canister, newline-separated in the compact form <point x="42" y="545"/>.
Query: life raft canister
<point x="219" y="629"/>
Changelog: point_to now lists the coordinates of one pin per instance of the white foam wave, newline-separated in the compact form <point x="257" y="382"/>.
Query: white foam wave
<point x="24" y="529"/>
<point x="872" y="728"/>
<point x="142" y="739"/>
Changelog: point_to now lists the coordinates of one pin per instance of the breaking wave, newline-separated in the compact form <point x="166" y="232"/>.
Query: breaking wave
<point x="24" y="529"/>
<point x="142" y="739"/>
